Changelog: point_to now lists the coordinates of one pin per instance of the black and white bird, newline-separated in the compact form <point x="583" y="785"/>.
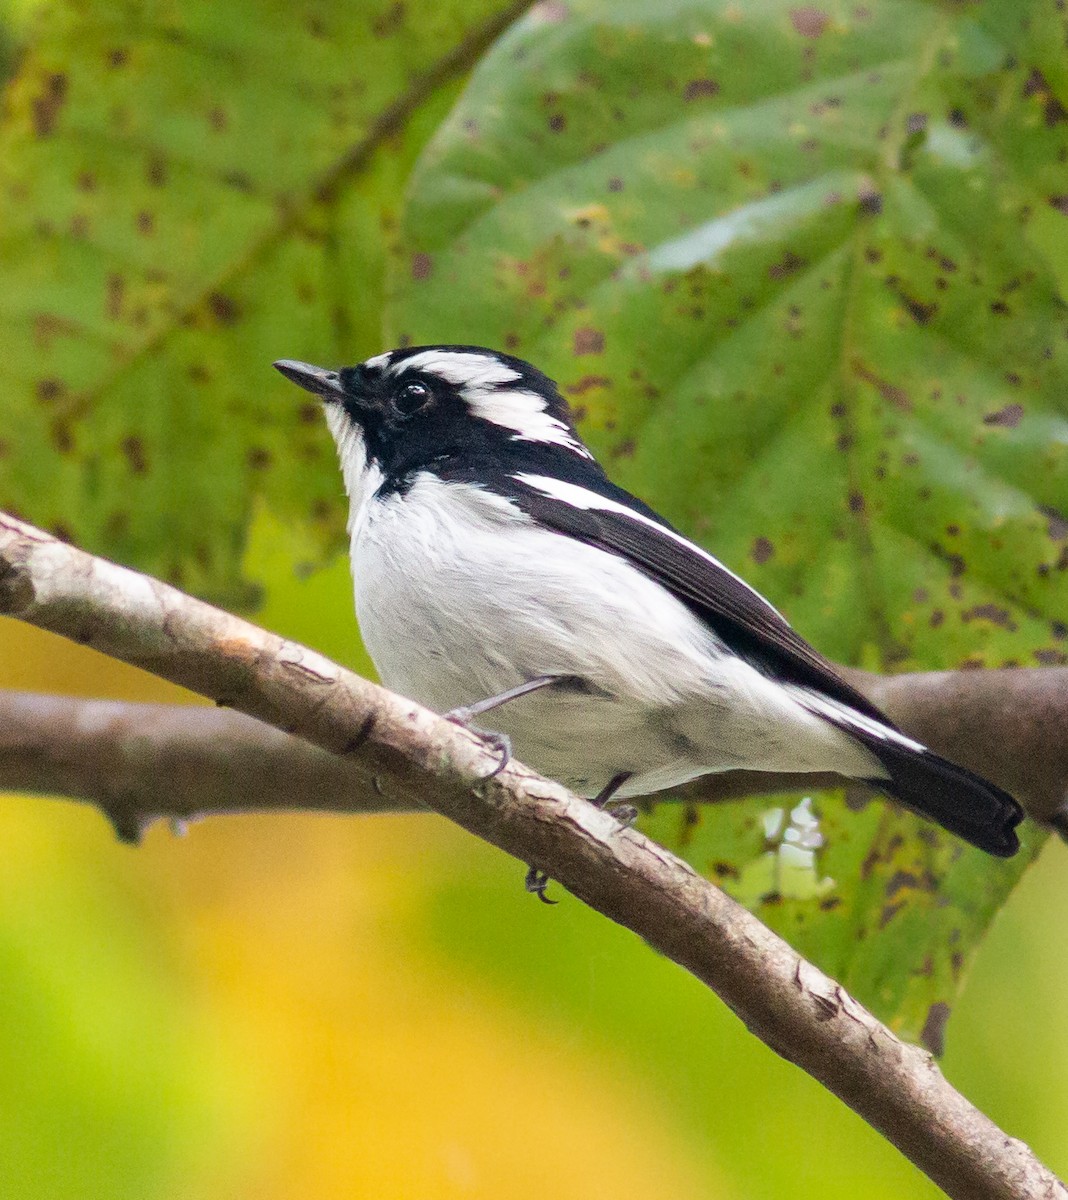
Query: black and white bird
<point x="497" y="568"/>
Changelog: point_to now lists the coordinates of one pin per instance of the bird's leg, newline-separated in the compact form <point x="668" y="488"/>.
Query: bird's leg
<point x="610" y="788"/>
<point x="466" y="713"/>
<point x="537" y="881"/>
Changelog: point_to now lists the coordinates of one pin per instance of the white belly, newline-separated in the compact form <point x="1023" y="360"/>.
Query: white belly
<point x="451" y="617"/>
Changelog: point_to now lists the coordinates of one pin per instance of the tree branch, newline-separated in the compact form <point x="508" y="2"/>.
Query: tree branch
<point x="796" y="1009"/>
<point x="142" y="762"/>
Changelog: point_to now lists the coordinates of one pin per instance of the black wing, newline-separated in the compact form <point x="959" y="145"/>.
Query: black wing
<point x="740" y="617"/>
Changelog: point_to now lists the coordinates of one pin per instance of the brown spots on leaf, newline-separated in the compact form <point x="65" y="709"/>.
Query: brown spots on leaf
<point x="1000" y="309"/>
<point x="1009" y="416"/>
<point x="586" y="383"/>
<point x="217" y="119"/>
<point x="1053" y="111"/>
<point x="87" y="182"/>
<point x="725" y="870"/>
<point x="788" y="265"/>
<point x="890" y="392"/>
<point x="856" y="503"/>
<point x="146" y="223"/>
<point x="118" y="58"/>
<point x="588" y="341"/>
<point x="916" y="122"/>
<point x="869" y="200"/>
<point x="1051" y="658"/>
<point x="1060" y="203"/>
<point x="223" y="308"/>
<point x="615" y="184"/>
<point x="1057" y="527"/>
<point x="48" y="326"/>
<point x="79" y="226"/>
<point x="809" y="22"/>
<point x="156" y="171"/>
<point x="920" y="313"/>
<point x="889" y="912"/>
<point x="308" y="414"/>
<point x="50" y="390"/>
<point x="62" y="437"/>
<point x="46" y="107"/>
<point x="761" y="550"/>
<point x="625" y="449"/>
<point x="697" y="89"/>
<point x="557" y="123"/>
<point x="389" y="21"/>
<point x="114" y="293"/>
<point x="933" y="1034"/>
<point x="899" y="880"/>
<point x="955" y="562"/>
<point x="422" y="265"/>
<point x="133" y="448"/>
<point x="937" y="618"/>
<point x="990" y="612"/>
<point x="259" y="458"/>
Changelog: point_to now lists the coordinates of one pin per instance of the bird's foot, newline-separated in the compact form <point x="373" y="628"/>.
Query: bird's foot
<point x="497" y="742"/>
<point x="536" y="882"/>
<point x="626" y="814"/>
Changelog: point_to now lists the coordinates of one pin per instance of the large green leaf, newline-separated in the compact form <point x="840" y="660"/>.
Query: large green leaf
<point x="800" y="269"/>
<point x="187" y="192"/>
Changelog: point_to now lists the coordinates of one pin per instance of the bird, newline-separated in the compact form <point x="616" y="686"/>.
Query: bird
<point x="498" y="570"/>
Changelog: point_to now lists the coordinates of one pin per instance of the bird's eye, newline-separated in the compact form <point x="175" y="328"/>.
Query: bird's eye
<point x="411" y="398"/>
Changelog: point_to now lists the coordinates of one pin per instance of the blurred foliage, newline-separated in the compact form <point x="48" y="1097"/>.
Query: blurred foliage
<point x="800" y="268"/>
<point x="186" y="192"/>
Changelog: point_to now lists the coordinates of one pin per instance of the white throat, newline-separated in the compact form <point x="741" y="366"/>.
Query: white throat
<point x="362" y="479"/>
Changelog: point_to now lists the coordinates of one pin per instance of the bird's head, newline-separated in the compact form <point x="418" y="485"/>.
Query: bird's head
<point x="436" y="407"/>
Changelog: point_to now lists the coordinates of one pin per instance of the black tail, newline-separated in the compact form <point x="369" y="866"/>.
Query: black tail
<point x="960" y="801"/>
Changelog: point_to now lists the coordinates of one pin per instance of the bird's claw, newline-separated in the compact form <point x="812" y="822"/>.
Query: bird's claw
<point x="625" y="814"/>
<point x="501" y="744"/>
<point x="498" y="742"/>
<point x="536" y="882"/>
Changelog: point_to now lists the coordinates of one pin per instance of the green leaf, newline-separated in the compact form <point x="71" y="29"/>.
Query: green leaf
<point x="801" y="270"/>
<point x="188" y="192"/>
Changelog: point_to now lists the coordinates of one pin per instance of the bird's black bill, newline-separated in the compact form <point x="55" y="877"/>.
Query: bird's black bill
<point x="312" y="379"/>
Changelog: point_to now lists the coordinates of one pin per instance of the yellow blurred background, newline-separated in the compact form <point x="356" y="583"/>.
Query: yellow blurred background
<point x="372" y="1007"/>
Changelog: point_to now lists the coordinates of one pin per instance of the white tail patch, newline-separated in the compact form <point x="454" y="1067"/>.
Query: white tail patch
<point x="841" y="714"/>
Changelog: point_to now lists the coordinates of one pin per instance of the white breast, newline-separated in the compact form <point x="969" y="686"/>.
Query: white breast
<point x="460" y="597"/>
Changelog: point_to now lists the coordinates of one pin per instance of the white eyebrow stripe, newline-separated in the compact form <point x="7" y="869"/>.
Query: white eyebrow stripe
<point x="580" y="497"/>
<point x="380" y="361"/>
<point x="481" y="380"/>
<point x="458" y="367"/>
